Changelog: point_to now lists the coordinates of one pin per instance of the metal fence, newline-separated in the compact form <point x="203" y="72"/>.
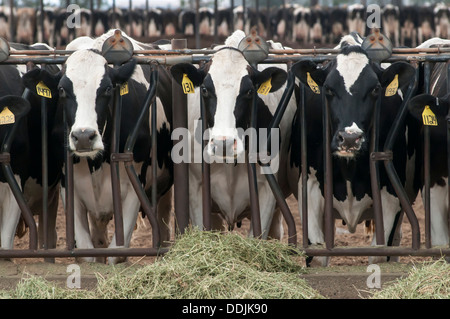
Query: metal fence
<point x="179" y="53"/>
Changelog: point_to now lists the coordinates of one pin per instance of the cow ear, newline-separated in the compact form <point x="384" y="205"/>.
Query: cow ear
<point x="302" y="68"/>
<point x="15" y="104"/>
<point x="439" y="107"/>
<point x="123" y="73"/>
<point x="195" y="75"/>
<point x="276" y="76"/>
<point x="402" y="71"/>
<point x="31" y="79"/>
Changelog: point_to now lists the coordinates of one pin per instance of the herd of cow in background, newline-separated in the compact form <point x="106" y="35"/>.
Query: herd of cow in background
<point x="405" y="26"/>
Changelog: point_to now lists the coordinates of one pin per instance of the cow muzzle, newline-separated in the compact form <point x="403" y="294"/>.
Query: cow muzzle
<point x="84" y="142"/>
<point x="224" y="148"/>
<point x="348" y="143"/>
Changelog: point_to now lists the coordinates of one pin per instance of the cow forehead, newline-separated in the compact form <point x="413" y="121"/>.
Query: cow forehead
<point x="350" y="67"/>
<point x="227" y="68"/>
<point x="85" y="69"/>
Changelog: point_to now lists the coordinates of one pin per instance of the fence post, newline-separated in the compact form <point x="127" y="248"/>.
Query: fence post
<point x="180" y="170"/>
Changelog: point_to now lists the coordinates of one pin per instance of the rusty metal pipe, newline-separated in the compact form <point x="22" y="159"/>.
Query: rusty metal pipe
<point x="115" y="178"/>
<point x="328" y="175"/>
<point x="180" y="170"/>
<point x="375" y="176"/>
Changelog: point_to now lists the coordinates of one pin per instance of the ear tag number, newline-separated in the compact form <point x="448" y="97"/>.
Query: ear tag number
<point x="188" y="86"/>
<point x="313" y="85"/>
<point x="428" y="117"/>
<point x="264" y="88"/>
<point x="392" y="87"/>
<point x="124" y="88"/>
<point x="43" y="90"/>
<point x="6" y="116"/>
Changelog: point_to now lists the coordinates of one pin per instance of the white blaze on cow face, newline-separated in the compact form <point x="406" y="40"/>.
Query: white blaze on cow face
<point x="350" y="67"/>
<point x="86" y="69"/>
<point x="227" y="69"/>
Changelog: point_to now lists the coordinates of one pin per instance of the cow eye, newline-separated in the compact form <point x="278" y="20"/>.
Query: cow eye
<point x="108" y="91"/>
<point x="328" y="91"/>
<point x="204" y="91"/>
<point x="250" y="93"/>
<point x="62" y="92"/>
<point x="375" y="91"/>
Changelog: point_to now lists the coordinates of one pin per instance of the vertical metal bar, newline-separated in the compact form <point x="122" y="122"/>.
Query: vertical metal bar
<point x="216" y="19"/>
<point x="251" y="171"/>
<point x="134" y="179"/>
<point x="375" y="176"/>
<point x="197" y="25"/>
<point x="91" y="21"/>
<point x="390" y="169"/>
<point x="426" y="163"/>
<point x="180" y="170"/>
<point x="244" y="16"/>
<point x="268" y="30"/>
<point x="154" y="159"/>
<point x="69" y="195"/>
<point x="304" y="166"/>
<point x="328" y="176"/>
<point x="41" y="21"/>
<point x="115" y="178"/>
<point x="206" y="174"/>
<point x="44" y="157"/>
<point x="448" y="169"/>
<point x="12" y="22"/>
<point x="232" y="16"/>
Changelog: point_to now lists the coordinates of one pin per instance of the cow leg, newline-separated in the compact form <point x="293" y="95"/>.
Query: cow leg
<point x="164" y="214"/>
<point x="82" y="235"/>
<point x="130" y="208"/>
<point x="195" y="200"/>
<point x="52" y="212"/>
<point x="267" y="206"/>
<point x="390" y="207"/>
<point x="315" y="216"/>
<point x="99" y="232"/>
<point x="276" y="228"/>
<point x="439" y="215"/>
<point x="10" y="216"/>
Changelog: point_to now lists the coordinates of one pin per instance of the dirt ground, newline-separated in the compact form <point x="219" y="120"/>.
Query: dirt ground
<point x="344" y="279"/>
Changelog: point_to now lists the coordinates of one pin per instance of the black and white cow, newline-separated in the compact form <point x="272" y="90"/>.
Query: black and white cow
<point x="11" y="102"/>
<point x="300" y="32"/>
<point x="390" y="23"/>
<point x="48" y="34"/>
<point x="351" y="83"/>
<point x="408" y="26"/>
<point x="356" y="19"/>
<point x="85" y="92"/>
<point x="227" y="85"/>
<point x="425" y="27"/>
<point x="438" y="102"/>
<point x="337" y="24"/>
<point x="319" y="20"/>
<point x="442" y="20"/>
<point x="26" y="151"/>
<point x="186" y="21"/>
<point x="170" y="22"/>
<point x="25" y="21"/>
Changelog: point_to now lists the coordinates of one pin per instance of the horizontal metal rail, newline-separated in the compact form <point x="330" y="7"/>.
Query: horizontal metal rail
<point x="78" y="252"/>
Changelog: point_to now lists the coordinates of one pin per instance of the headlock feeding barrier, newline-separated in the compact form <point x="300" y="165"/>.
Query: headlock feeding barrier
<point x="117" y="52"/>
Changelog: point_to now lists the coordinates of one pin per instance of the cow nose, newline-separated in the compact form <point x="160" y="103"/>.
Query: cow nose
<point x="83" y="139"/>
<point x="350" y="141"/>
<point x="225" y="147"/>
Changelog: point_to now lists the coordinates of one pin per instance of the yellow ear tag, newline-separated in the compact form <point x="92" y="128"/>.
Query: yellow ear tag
<point x="124" y="88"/>
<point x="428" y="117"/>
<point x="392" y="87"/>
<point x="6" y="116"/>
<point x="188" y="86"/>
<point x="43" y="90"/>
<point x="313" y="85"/>
<point x="264" y="88"/>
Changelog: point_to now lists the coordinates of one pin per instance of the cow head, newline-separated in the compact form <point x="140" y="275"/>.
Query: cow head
<point x="227" y="85"/>
<point x="85" y="91"/>
<point x="352" y="85"/>
<point x="437" y="112"/>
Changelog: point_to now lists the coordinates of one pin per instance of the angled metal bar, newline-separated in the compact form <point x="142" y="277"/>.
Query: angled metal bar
<point x="304" y="165"/>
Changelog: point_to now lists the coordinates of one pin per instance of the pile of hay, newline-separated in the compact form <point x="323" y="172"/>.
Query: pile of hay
<point x="430" y="280"/>
<point x="202" y="265"/>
